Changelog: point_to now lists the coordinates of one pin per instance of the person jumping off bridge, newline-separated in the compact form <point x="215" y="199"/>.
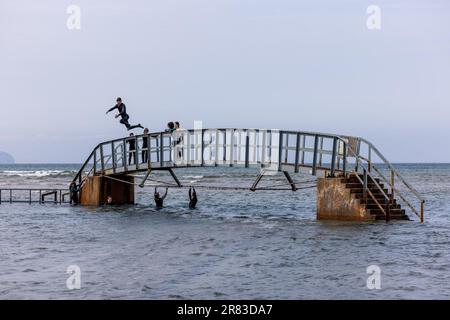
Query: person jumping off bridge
<point x="120" y="106"/>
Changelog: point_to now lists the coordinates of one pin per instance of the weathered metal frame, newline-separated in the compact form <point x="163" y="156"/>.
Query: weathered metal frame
<point x="58" y="195"/>
<point x="269" y="150"/>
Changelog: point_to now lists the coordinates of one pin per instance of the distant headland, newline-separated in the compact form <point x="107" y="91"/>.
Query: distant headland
<point x="6" y="158"/>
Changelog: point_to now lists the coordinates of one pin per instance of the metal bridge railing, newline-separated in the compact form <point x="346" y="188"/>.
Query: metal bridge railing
<point x="34" y="195"/>
<point x="378" y="166"/>
<point x="269" y="149"/>
<point x="277" y="150"/>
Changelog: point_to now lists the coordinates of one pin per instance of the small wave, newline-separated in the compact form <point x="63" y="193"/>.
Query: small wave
<point x="36" y="173"/>
<point x="193" y="177"/>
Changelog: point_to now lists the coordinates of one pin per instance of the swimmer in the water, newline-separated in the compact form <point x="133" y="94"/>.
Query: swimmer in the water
<point x="159" y="201"/>
<point x="192" y="198"/>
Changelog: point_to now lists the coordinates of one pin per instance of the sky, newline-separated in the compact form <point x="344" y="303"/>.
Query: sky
<point x="285" y="64"/>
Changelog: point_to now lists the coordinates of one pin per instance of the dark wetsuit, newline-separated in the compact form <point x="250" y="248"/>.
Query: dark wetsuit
<point x="159" y="200"/>
<point x="192" y="198"/>
<point x="144" y="146"/>
<point x="74" y="189"/>
<point x="132" y="150"/>
<point x="122" y="108"/>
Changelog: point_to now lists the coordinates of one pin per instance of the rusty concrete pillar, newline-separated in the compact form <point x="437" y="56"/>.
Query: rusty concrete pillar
<point x="96" y="189"/>
<point x="335" y="201"/>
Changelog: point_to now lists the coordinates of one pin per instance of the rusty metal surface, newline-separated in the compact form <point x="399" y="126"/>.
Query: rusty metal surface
<point x="335" y="202"/>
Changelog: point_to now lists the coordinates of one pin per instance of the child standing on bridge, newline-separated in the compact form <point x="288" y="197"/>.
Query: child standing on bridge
<point x="145" y="146"/>
<point x="131" y="149"/>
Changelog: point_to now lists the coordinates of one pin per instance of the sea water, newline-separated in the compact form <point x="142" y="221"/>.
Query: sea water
<point x="236" y="244"/>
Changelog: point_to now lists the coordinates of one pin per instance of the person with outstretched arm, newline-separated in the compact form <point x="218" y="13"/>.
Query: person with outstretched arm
<point x="192" y="198"/>
<point x="159" y="201"/>
<point x="120" y="106"/>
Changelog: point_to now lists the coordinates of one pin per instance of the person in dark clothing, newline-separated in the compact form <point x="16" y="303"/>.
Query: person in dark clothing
<point x="170" y="127"/>
<point x="120" y="106"/>
<point x="74" y="189"/>
<point x="131" y="149"/>
<point x="192" y="198"/>
<point x="145" y="146"/>
<point x="158" y="199"/>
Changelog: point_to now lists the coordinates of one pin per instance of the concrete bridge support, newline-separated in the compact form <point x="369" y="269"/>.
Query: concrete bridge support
<point x="96" y="189"/>
<point x="336" y="202"/>
<point x="344" y="198"/>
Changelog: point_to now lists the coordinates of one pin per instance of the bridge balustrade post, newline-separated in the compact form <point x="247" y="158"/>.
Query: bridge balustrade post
<point x="280" y="150"/>
<point x="202" y="137"/>
<point x="314" y="164"/>
<point x="255" y="145"/>
<point x="161" y="150"/>
<point x="344" y="160"/>
<point x="149" y="161"/>
<point x="124" y="155"/>
<point x="303" y="149"/>
<point x="333" y="157"/>
<point x="95" y="161"/>
<point x="224" y="147"/>
<point x="421" y="210"/>
<point x="263" y="146"/>
<point x="392" y="185"/>
<point x="102" y="160"/>
<point x="247" y="141"/>
<point x="231" y="147"/>
<point x="297" y="153"/>
<point x="286" y="150"/>
<point x="113" y="156"/>
<point x="238" y="146"/>
<point x="157" y="148"/>
<point x="136" y="152"/>
<point x="364" y="185"/>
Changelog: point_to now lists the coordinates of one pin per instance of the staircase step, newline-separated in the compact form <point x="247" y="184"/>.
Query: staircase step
<point x="370" y="185"/>
<point x="375" y="206"/>
<point x="356" y="189"/>
<point x="392" y="212"/>
<point x="353" y="178"/>
<point x="374" y="191"/>
<point x="380" y="198"/>
<point x="392" y="217"/>
<point x="381" y="202"/>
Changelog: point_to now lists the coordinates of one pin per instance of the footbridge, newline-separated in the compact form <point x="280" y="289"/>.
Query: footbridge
<point x="354" y="180"/>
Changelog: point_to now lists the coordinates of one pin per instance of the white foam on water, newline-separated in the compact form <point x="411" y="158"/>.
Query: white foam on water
<point x="33" y="173"/>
